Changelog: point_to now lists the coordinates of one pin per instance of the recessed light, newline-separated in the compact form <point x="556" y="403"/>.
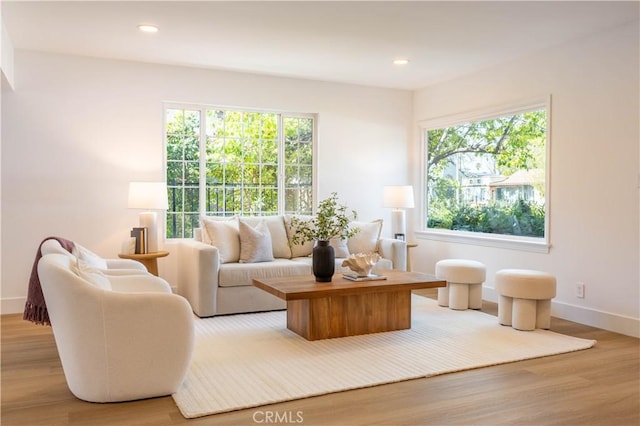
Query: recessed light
<point x="147" y="28"/>
<point x="400" y="61"/>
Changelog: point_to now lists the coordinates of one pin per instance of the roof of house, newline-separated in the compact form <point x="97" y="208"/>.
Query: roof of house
<point x="521" y="178"/>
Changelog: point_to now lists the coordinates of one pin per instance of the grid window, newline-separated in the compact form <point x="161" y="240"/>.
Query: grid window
<point x="225" y="162"/>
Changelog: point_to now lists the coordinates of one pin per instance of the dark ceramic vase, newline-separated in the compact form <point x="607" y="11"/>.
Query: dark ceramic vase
<point x="324" y="261"/>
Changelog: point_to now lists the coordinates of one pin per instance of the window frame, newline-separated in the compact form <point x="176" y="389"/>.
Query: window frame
<point x="281" y="115"/>
<point x="513" y="242"/>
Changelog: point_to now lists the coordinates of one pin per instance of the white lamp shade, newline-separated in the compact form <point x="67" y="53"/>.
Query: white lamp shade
<point x="398" y="197"/>
<point x="148" y="195"/>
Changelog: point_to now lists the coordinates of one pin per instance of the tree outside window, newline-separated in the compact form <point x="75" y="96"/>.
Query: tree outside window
<point x="488" y="176"/>
<point x="225" y="162"/>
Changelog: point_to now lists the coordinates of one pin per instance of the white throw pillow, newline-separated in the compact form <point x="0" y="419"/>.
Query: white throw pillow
<point x="366" y="239"/>
<point x="224" y="235"/>
<point x="340" y="247"/>
<point x="255" y="243"/>
<point x="91" y="274"/>
<point x="279" y="240"/>
<point x="89" y="257"/>
<point x="204" y="235"/>
<point x="297" y="250"/>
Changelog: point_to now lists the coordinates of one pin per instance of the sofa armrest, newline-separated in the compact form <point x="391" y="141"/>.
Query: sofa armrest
<point x="396" y="250"/>
<point x="198" y="266"/>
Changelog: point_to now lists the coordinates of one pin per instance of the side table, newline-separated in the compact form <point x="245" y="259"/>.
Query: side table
<point x="149" y="260"/>
<point x="409" y="247"/>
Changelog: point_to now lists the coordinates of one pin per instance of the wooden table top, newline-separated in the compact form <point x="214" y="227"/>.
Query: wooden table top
<point x="306" y="287"/>
<point x="139" y="256"/>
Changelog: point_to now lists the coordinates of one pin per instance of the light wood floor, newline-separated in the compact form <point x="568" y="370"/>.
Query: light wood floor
<point x="598" y="386"/>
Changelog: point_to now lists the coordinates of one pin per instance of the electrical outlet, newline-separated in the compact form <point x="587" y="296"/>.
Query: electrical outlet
<point x="580" y="290"/>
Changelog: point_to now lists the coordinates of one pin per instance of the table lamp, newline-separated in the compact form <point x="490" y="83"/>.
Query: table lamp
<point x="398" y="197"/>
<point x="149" y="196"/>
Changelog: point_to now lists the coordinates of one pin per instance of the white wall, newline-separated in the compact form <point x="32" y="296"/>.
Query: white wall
<point x="77" y="130"/>
<point x="594" y="171"/>
<point x="6" y="56"/>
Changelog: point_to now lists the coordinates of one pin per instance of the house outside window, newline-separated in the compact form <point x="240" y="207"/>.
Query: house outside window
<point x="485" y="173"/>
<point x="226" y="162"/>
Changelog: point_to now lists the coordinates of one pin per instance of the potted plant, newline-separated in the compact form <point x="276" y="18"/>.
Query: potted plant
<point x="330" y="221"/>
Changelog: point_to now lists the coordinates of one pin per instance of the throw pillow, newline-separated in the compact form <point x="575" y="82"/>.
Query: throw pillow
<point x="204" y="235"/>
<point x="297" y="250"/>
<point x="89" y="257"/>
<point x="279" y="240"/>
<point x="339" y="247"/>
<point x="255" y="243"/>
<point x="366" y="239"/>
<point x="91" y="274"/>
<point x="224" y="235"/>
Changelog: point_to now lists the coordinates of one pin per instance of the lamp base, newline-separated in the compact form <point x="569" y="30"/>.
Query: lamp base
<point x="149" y="220"/>
<point x="398" y="222"/>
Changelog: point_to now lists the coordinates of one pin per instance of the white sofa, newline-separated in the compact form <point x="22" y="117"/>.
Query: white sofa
<point x="215" y="280"/>
<point x="120" y="337"/>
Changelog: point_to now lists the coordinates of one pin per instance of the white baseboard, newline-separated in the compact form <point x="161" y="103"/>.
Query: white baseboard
<point x="595" y="318"/>
<point x="12" y="305"/>
<point x="587" y="316"/>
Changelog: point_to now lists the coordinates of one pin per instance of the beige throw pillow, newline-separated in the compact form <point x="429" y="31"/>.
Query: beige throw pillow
<point x="255" y="243"/>
<point x="224" y="235"/>
<point x="279" y="240"/>
<point x="298" y="250"/>
<point x="366" y="239"/>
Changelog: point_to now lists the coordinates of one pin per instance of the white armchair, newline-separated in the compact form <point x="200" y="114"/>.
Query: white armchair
<point x="120" y="338"/>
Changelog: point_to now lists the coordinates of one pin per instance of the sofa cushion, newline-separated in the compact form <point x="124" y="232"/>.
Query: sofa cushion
<point x="340" y="247"/>
<point x="297" y="250"/>
<point x="224" y="235"/>
<point x="255" y="243"/>
<point x="242" y="274"/>
<point x="279" y="239"/>
<point x="383" y="264"/>
<point x="366" y="239"/>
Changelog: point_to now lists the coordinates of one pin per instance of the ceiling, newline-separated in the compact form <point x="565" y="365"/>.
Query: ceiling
<point x="351" y="42"/>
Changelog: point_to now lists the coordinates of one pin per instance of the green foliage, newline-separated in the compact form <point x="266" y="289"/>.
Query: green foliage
<point x="517" y="142"/>
<point x="503" y="146"/>
<point x="331" y="220"/>
<point x="241" y="160"/>
<point x="519" y="218"/>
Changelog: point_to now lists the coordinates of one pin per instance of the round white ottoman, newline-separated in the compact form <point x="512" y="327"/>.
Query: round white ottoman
<point x="464" y="283"/>
<point x="525" y="298"/>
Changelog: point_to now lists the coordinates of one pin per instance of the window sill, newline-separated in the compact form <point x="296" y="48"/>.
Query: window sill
<point x="510" y="242"/>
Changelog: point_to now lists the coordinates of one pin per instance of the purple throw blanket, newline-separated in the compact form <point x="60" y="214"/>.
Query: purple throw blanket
<point x="35" y="310"/>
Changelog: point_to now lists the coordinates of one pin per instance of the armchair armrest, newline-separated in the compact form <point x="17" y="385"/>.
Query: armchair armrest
<point x="125" y="264"/>
<point x="396" y="250"/>
<point x="198" y="275"/>
<point x="148" y="335"/>
<point x="139" y="283"/>
<point x="121" y="272"/>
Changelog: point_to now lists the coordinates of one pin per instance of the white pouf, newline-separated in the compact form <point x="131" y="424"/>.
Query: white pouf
<point x="525" y="298"/>
<point x="464" y="283"/>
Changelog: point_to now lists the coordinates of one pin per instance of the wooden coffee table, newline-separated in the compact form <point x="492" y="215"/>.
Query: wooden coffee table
<point x="347" y="308"/>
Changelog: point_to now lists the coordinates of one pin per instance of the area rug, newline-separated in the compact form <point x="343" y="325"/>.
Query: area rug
<point x="249" y="360"/>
